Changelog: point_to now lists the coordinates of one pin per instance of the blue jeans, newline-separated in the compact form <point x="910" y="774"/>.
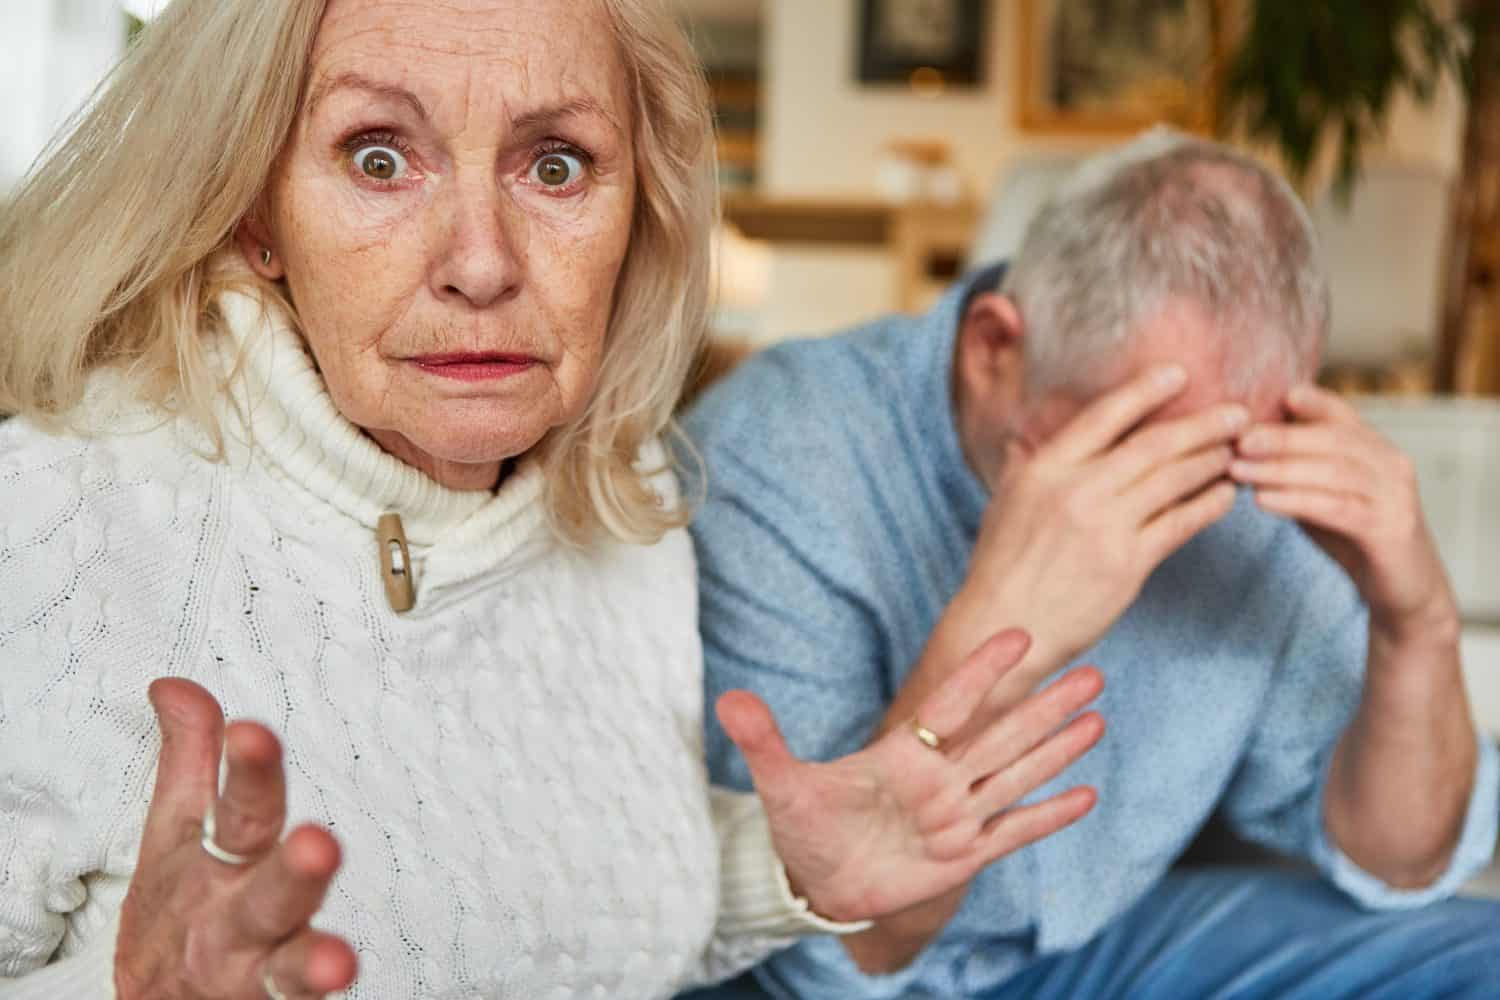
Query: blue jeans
<point x="1259" y="934"/>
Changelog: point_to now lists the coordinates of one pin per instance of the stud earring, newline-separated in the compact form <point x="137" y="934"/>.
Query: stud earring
<point x="265" y="256"/>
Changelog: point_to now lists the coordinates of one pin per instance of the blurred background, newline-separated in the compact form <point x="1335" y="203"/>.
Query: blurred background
<point x="874" y="150"/>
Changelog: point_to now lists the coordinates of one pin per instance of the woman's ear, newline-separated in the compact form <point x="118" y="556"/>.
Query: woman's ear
<point x="255" y="243"/>
<point x="990" y="346"/>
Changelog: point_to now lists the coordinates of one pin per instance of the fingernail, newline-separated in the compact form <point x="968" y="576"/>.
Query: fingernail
<point x="1253" y="441"/>
<point x="1171" y="377"/>
<point x="1300" y="394"/>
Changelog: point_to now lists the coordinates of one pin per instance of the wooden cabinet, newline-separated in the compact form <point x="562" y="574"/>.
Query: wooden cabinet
<point x="928" y="241"/>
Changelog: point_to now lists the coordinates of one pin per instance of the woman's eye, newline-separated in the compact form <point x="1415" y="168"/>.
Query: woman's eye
<point x="381" y="163"/>
<point x="557" y="169"/>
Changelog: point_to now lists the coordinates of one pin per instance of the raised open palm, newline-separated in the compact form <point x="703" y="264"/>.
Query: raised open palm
<point x="902" y="821"/>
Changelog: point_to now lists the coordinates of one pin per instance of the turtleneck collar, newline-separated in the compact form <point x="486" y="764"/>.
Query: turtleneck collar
<point x="278" y="413"/>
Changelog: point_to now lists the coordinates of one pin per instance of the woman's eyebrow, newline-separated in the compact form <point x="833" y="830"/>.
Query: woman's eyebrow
<point x="356" y="81"/>
<point x="583" y="107"/>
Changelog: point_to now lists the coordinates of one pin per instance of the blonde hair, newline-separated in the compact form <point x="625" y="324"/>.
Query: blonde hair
<point x="107" y="252"/>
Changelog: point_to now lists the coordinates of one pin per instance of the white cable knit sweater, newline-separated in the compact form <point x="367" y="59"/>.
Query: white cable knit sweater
<point x="513" y="767"/>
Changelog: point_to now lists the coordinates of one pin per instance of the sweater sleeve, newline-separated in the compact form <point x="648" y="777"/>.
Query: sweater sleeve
<point x="89" y="975"/>
<point x="39" y="887"/>
<point x="757" y="912"/>
<point x="75" y="728"/>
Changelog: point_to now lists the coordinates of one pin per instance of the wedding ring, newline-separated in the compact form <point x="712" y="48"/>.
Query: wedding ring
<point x="210" y="829"/>
<point x="926" y="735"/>
<point x="269" y="985"/>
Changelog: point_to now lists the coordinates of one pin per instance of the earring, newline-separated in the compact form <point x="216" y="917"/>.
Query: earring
<point x="265" y="256"/>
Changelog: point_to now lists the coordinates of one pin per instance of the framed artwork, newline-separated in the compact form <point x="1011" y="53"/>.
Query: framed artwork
<point x="926" y="43"/>
<point x="1118" y="65"/>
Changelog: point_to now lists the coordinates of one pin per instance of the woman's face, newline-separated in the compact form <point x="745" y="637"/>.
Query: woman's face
<point x="451" y="215"/>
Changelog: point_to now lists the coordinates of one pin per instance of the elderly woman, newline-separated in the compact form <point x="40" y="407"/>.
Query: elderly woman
<point x="341" y="337"/>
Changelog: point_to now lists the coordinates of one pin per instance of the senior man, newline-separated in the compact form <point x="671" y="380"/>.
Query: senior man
<point x="1115" y="444"/>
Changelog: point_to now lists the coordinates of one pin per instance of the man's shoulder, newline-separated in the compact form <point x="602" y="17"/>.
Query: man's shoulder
<point x="802" y="398"/>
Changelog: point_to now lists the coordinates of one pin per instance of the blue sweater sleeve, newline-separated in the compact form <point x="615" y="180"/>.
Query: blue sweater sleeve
<point x="784" y="611"/>
<point x="1276" y="797"/>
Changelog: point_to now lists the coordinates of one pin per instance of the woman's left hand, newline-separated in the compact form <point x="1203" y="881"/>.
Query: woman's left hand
<point x="903" y="821"/>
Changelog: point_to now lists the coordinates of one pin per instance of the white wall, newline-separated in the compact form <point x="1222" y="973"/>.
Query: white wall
<point x="55" y="52"/>
<point x="823" y="131"/>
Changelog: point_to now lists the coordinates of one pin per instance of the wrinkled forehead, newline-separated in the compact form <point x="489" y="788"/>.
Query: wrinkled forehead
<point x="464" y="59"/>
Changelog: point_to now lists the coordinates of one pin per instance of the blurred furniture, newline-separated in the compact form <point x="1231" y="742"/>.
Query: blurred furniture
<point x="1384" y="255"/>
<point x="716" y="360"/>
<point x="927" y="240"/>
<point x="736" y="97"/>
<point x="1481" y="658"/>
<point x="1020" y="190"/>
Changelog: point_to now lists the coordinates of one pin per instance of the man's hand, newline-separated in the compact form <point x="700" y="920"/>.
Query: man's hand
<point x="1076" y="527"/>
<point x="1403" y="771"/>
<point x="902" y="822"/>
<point x="1356" y="496"/>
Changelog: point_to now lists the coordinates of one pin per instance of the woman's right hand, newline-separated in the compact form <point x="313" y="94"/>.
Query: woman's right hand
<point x="194" y="927"/>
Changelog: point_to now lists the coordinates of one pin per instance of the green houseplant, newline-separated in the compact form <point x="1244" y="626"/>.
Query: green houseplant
<point x="1310" y="74"/>
<point x="1317" y="78"/>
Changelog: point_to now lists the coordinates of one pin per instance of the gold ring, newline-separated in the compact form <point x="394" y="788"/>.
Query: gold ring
<point x="926" y="735"/>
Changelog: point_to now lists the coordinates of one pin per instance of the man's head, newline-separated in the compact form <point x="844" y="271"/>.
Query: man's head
<point x="1168" y="249"/>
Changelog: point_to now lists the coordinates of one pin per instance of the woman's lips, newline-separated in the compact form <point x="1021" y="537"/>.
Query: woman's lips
<point x="473" y="367"/>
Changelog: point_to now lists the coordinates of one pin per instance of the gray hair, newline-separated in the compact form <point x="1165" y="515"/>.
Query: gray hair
<point x="1169" y="219"/>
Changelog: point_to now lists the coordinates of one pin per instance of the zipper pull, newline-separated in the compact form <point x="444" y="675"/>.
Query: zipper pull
<point x="395" y="563"/>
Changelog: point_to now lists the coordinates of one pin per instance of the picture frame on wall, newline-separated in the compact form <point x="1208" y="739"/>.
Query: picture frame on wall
<point x="926" y="43"/>
<point x="1117" y="66"/>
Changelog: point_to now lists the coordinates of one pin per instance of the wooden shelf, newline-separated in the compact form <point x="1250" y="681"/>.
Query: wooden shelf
<point x="928" y="240"/>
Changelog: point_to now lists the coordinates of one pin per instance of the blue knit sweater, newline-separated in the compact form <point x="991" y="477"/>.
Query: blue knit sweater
<point x="839" y="521"/>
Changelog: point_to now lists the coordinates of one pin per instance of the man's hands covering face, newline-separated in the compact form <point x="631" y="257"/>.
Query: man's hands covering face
<point x="1077" y="526"/>
<point x="1356" y="495"/>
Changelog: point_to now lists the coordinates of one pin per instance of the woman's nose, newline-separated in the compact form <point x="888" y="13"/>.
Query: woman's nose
<point x="482" y="250"/>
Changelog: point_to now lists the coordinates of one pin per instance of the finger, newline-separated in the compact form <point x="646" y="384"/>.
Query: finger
<point x="748" y="721"/>
<point x="1006" y="787"/>
<point x="1174" y="527"/>
<point x="251" y="809"/>
<point x="1335" y="473"/>
<point x="1016" y="828"/>
<point x="1310" y="402"/>
<point x="949" y="709"/>
<point x="187" y="767"/>
<point x="286" y="888"/>
<point x="1148" y="449"/>
<point x="1301" y="440"/>
<point x="1176" y="481"/>
<point x="312" y="964"/>
<point x="1015" y="731"/>
<point x="1108" y="418"/>
<point x="1346" y="514"/>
